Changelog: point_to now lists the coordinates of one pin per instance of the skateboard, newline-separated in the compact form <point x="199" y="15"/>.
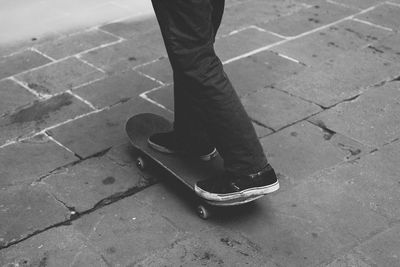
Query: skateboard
<point x="186" y="169"/>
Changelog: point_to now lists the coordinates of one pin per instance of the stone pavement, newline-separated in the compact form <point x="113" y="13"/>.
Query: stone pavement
<point x="319" y="78"/>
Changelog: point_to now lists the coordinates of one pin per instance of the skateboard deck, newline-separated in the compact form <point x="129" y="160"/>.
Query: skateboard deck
<point x="186" y="169"/>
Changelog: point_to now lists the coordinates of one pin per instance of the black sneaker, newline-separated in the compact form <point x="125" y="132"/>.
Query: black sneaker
<point x="227" y="188"/>
<point x="168" y="143"/>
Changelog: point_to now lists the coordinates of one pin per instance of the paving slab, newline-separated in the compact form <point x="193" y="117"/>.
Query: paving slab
<point x="116" y="88"/>
<point x="212" y="248"/>
<point x="27" y="209"/>
<point x="75" y="43"/>
<point x="236" y="15"/>
<point x="260" y="70"/>
<point x="372" y="118"/>
<point x="20" y="62"/>
<point x="61" y="246"/>
<point x="40" y="114"/>
<point x="242" y="42"/>
<point x="94" y="182"/>
<point x="132" y="27"/>
<point x="317" y="47"/>
<point x="29" y="160"/>
<point x="126" y="231"/>
<point x="340" y="78"/>
<point x="384" y="247"/>
<point x="303" y="149"/>
<point x="60" y="76"/>
<point x="319" y="14"/>
<point x="129" y="53"/>
<point x="276" y="109"/>
<point x="12" y="96"/>
<point x="100" y="131"/>
<point x="387" y="48"/>
<point x="386" y="15"/>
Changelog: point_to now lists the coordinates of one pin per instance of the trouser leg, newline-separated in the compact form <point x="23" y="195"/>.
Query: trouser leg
<point x="206" y="105"/>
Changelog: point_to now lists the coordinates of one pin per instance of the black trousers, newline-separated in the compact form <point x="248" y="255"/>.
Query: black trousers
<point x="207" y="108"/>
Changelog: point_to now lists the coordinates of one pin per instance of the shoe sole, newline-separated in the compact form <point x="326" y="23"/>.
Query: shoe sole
<point x="165" y="150"/>
<point x="236" y="196"/>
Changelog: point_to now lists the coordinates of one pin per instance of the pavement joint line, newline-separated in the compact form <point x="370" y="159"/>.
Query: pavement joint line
<point x="95" y="48"/>
<point x="58" y="143"/>
<point x="120" y="38"/>
<point x="87" y="83"/>
<point x="41" y="53"/>
<point x="148" y="63"/>
<point x="26" y="87"/>
<point x="8" y="143"/>
<point x="373" y="24"/>
<point x="277" y="34"/>
<point x="81" y="99"/>
<point x="145" y="97"/>
<point x="90" y="64"/>
<point x="343" y="5"/>
<point x="261" y="49"/>
<point x="393" y="4"/>
<point x="291" y="59"/>
<point x="150" y="77"/>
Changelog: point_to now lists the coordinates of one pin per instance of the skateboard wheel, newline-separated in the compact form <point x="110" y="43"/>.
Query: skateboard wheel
<point x="203" y="212"/>
<point x="140" y="163"/>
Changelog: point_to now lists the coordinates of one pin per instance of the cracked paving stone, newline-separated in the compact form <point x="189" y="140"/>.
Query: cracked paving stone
<point x="31" y="159"/>
<point x="300" y="150"/>
<point x="27" y="209"/>
<point x="340" y="78"/>
<point x="126" y="231"/>
<point x="372" y="119"/>
<point x="277" y="109"/>
<point x="95" y="181"/>
<point x="61" y="246"/>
